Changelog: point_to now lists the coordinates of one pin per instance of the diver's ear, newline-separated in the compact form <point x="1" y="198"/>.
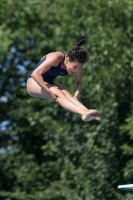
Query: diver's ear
<point x="67" y="59"/>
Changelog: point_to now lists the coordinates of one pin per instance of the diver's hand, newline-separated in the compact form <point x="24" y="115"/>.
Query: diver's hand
<point x="54" y="95"/>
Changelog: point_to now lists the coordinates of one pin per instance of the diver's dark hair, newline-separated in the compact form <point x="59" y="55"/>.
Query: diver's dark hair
<point x="78" y="54"/>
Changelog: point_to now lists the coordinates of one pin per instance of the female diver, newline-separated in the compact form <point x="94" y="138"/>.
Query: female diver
<point x="40" y="82"/>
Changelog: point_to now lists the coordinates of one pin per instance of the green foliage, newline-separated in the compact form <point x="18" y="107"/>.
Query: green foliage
<point x="127" y="129"/>
<point x="48" y="153"/>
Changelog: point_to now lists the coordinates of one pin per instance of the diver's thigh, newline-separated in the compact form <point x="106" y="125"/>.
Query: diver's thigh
<point x="35" y="90"/>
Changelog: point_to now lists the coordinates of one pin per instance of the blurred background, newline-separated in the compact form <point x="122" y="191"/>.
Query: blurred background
<point x="46" y="152"/>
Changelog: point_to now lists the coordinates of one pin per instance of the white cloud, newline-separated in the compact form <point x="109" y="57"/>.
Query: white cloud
<point x="3" y="99"/>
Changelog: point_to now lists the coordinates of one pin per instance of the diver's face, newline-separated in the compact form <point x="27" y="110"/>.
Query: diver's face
<point x="73" y="67"/>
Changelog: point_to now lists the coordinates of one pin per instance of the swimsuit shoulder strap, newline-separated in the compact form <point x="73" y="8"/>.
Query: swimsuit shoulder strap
<point x="62" y="60"/>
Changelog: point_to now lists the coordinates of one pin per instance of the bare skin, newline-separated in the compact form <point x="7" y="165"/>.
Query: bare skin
<point x="64" y="98"/>
<point x="36" y="87"/>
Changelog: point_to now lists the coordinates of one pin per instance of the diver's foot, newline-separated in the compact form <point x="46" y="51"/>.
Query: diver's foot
<point x="93" y="117"/>
<point x="88" y="113"/>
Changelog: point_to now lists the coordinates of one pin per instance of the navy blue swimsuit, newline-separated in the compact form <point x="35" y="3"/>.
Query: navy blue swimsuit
<point x="52" y="73"/>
